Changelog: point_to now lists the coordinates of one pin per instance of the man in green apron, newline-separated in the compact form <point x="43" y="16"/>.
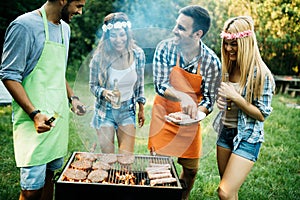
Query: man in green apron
<point x="33" y="70"/>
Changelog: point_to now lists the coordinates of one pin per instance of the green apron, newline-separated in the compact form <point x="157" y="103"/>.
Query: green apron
<point x="46" y="89"/>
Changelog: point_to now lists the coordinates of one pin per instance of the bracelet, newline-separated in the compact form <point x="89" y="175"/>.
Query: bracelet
<point x="33" y="114"/>
<point x="72" y="98"/>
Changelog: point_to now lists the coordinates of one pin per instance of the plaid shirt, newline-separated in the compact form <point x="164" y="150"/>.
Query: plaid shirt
<point x="248" y="128"/>
<point x="165" y="59"/>
<point x="98" y="82"/>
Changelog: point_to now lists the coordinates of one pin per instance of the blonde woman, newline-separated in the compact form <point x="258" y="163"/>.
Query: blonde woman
<point x="244" y="101"/>
<point x="117" y="57"/>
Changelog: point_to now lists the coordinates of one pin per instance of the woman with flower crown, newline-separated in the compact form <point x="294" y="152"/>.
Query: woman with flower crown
<point x="117" y="60"/>
<point x="244" y="101"/>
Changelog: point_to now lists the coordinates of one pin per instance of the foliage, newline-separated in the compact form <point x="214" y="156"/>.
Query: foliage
<point x="276" y="22"/>
<point x="278" y="25"/>
<point x="277" y="29"/>
<point x="85" y="30"/>
<point x="11" y="9"/>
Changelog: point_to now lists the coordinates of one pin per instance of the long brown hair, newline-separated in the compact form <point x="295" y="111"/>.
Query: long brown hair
<point x="104" y="48"/>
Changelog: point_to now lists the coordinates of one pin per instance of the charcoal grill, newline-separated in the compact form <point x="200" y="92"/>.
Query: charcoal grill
<point x="113" y="188"/>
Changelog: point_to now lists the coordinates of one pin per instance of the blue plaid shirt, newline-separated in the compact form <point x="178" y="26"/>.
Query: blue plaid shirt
<point x="99" y="81"/>
<point x="248" y="128"/>
<point x="165" y="59"/>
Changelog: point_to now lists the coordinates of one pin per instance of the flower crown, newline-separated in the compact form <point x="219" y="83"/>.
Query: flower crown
<point x="232" y="36"/>
<point x="109" y="26"/>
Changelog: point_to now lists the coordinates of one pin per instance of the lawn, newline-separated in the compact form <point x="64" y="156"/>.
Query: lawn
<point x="276" y="175"/>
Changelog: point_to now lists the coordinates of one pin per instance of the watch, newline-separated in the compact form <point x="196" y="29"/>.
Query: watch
<point x="72" y="98"/>
<point x="33" y="114"/>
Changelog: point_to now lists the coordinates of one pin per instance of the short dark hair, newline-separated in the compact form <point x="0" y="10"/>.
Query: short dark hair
<point x="200" y="16"/>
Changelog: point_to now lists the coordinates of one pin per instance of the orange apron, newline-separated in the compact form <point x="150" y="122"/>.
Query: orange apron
<point x="166" y="138"/>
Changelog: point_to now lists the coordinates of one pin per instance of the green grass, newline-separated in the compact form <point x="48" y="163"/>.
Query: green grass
<point x="274" y="176"/>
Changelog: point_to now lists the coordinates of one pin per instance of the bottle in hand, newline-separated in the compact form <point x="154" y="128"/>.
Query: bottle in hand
<point x="116" y="99"/>
<point x="226" y="79"/>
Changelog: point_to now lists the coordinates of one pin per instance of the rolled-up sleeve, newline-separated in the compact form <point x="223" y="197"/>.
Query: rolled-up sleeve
<point x="15" y="50"/>
<point x="264" y="102"/>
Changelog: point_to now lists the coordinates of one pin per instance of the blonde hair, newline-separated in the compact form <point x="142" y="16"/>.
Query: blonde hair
<point x="252" y="68"/>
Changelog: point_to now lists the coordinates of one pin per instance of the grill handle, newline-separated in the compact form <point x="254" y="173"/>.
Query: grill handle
<point x="183" y="184"/>
<point x="56" y="177"/>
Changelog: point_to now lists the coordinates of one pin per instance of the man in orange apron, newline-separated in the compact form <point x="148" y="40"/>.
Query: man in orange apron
<point x="34" y="74"/>
<point x="186" y="75"/>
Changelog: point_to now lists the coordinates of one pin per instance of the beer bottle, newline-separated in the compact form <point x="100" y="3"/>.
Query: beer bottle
<point x="226" y="80"/>
<point x="116" y="99"/>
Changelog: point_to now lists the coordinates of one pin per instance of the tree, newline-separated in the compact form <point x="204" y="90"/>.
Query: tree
<point x="276" y="25"/>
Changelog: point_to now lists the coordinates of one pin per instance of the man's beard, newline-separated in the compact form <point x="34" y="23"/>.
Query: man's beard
<point x="65" y="14"/>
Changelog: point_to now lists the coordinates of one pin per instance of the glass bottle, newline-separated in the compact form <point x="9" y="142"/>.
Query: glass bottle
<point x="116" y="99"/>
<point x="226" y="80"/>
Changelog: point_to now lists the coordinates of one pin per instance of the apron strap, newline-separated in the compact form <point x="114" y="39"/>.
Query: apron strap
<point x="43" y="12"/>
<point x="45" y="22"/>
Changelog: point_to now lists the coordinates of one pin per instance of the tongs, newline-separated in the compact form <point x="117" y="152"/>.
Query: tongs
<point x="49" y="121"/>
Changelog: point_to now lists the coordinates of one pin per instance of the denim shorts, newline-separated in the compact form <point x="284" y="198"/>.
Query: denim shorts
<point x="123" y="116"/>
<point x="33" y="178"/>
<point x="245" y="149"/>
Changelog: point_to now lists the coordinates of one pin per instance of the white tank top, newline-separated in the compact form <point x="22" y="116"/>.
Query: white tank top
<point x="126" y="78"/>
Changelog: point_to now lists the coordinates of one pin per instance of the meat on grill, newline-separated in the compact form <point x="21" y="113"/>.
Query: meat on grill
<point x="101" y="165"/>
<point x="126" y="159"/>
<point x="168" y="166"/>
<point x="162" y="181"/>
<point x="108" y="158"/>
<point x="160" y="175"/>
<point x="82" y="164"/>
<point x="86" y="156"/>
<point x="97" y="176"/>
<point x="75" y="174"/>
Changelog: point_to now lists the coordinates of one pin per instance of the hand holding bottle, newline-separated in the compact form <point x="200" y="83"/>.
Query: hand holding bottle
<point x="113" y="96"/>
<point x="226" y="80"/>
<point x="226" y="93"/>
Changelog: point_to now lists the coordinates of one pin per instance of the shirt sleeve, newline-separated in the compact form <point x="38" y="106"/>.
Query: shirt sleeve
<point x="265" y="100"/>
<point x="139" y="89"/>
<point x="211" y="81"/>
<point x="16" y="49"/>
<point x="161" y="69"/>
<point x="94" y="84"/>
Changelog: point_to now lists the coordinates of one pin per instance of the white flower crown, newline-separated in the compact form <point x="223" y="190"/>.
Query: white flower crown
<point x="109" y="26"/>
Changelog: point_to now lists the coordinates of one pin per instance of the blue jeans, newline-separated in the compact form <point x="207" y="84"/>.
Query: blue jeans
<point x="123" y="116"/>
<point x="245" y="149"/>
<point x="33" y="178"/>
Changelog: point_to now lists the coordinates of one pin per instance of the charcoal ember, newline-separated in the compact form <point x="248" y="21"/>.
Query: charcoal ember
<point x="126" y="159"/>
<point x="101" y="165"/>
<point x="96" y="176"/>
<point x="75" y="174"/>
<point x="82" y="164"/>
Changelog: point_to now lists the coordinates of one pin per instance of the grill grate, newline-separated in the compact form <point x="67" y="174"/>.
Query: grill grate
<point x="134" y="174"/>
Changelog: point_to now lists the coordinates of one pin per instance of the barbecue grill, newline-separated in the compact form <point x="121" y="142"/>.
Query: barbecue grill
<point x="139" y="187"/>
